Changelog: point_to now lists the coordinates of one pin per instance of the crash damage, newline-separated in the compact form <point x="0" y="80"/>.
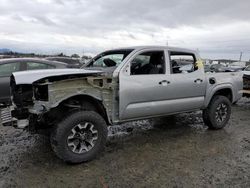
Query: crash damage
<point x="76" y="106"/>
<point x="58" y="94"/>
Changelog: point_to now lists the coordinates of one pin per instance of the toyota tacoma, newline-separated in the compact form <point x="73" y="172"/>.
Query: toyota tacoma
<point x="117" y="86"/>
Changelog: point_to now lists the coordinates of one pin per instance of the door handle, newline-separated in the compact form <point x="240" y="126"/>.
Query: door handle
<point x="198" y="80"/>
<point x="164" y="82"/>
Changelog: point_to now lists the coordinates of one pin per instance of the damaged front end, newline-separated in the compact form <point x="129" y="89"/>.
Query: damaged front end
<point x="17" y="115"/>
<point x="8" y="119"/>
<point x="40" y="104"/>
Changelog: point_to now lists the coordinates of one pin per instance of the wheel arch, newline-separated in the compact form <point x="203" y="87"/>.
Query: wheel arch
<point x="224" y="90"/>
<point x="97" y="103"/>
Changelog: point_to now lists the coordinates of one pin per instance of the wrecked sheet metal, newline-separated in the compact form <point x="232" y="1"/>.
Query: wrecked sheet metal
<point x="28" y="77"/>
<point x="100" y="88"/>
<point x="61" y="90"/>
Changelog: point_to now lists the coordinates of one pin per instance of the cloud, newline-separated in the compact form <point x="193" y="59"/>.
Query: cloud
<point x="214" y="27"/>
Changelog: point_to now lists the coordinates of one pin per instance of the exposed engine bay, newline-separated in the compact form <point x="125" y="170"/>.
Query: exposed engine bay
<point x="43" y="102"/>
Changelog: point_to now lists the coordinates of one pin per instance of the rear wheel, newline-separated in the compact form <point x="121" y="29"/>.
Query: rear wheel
<point x="79" y="137"/>
<point x="218" y="112"/>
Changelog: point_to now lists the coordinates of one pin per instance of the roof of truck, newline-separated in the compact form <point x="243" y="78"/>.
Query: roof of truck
<point x="160" y="47"/>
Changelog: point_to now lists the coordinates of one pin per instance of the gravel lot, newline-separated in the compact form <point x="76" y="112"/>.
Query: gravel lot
<point x="167" y="152"/>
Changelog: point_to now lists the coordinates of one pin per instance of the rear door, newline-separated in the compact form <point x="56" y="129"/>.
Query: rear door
<point x="188" y="82"/>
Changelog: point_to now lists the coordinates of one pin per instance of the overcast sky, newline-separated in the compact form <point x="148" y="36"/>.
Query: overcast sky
<point x="218" y="28"/>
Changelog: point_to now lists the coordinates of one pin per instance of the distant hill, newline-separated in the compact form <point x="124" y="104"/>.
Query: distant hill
<point x="4" y="50"/>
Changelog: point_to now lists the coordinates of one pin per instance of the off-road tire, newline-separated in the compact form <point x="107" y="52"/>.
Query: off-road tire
<point x="209" y="114"/>
<point x="59" y="136"/>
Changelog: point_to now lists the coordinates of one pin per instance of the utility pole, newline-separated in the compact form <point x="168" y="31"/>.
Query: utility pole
<point x="167" y="43"/>
<point x="240" y="56"/>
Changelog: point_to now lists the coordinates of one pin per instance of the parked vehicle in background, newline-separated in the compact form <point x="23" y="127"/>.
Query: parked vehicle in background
<point x="217" y="67"/>
<point x="246" y="81"/>
<point x="72" y="62"/>
<point x="224" y="68"/>
<point x="8" y="66"/>
<point x="233" y="68"/>
<point x="116" y="86"/>
<point x="239" y="63"/>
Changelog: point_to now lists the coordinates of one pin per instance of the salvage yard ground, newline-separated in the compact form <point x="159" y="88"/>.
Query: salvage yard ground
<point x="175" y="152"/>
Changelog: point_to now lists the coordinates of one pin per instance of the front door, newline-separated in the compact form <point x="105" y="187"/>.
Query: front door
<point x="143" y="85"/>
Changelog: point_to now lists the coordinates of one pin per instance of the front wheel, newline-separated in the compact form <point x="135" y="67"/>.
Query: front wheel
<point x="79" y="137"/>
<point x="218" y="112"/>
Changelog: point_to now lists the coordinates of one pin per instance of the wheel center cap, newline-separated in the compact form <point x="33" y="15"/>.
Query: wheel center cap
<point x="83" y="136"/>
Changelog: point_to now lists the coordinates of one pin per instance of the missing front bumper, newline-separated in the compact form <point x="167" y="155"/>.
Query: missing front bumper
<point x="6" y="117"/>
<point x="8" y="120"/>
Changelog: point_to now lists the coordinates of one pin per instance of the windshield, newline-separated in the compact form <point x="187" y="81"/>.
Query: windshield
<point x="248" y="68"/>
<point x="107" y="59"/>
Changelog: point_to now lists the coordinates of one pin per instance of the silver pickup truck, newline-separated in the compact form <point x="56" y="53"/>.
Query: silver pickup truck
<point x="116" y="86"/>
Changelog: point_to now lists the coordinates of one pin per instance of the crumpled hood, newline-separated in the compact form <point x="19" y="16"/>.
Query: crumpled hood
<point x="29" y="77"/>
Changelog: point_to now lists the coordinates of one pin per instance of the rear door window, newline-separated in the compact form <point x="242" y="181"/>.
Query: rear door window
<point x="181" y="62"/>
